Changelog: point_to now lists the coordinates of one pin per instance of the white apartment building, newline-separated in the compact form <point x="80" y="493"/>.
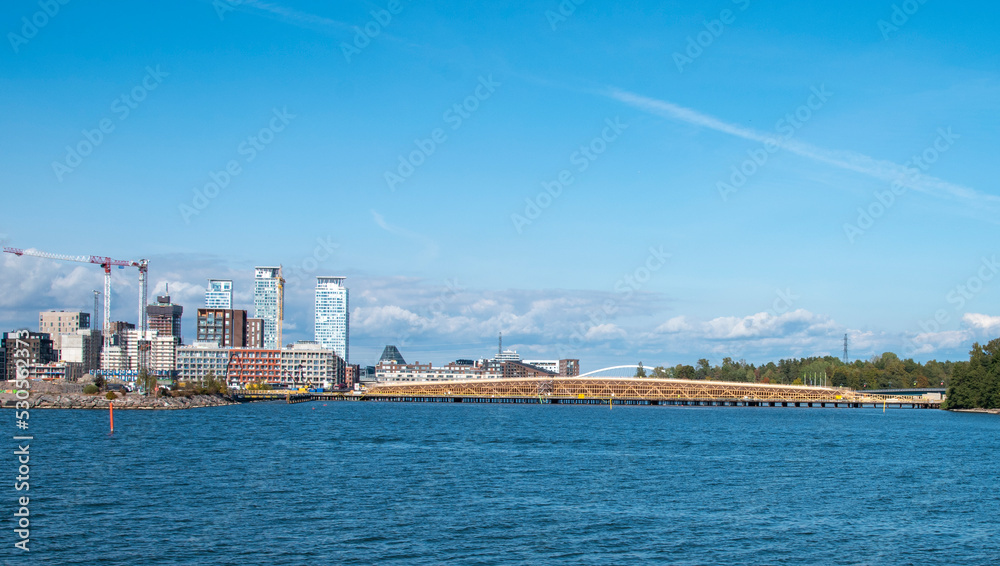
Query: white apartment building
<point x="268" y="303"/>
<point x="309" y="364"/>
<point x="391" y="371"/>
<point x="219" y="294"/>
<point x="196" y="360"/>
<point x="333" y="315"/>
<point x="162" y="356"/>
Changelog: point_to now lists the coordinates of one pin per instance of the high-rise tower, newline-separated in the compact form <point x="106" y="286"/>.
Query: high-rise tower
<point x="219" y="294"/>
<point x="165" y="317"/>
<point x="333" y="315"/>
<point x="268" y="303"/>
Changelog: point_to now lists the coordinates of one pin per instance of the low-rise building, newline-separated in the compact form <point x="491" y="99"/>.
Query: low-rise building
<point x="82" y="347"/>
<point x="303" y="364"/>
<point x="467" y="369"/>
<point x="392" y="371"/>
<point x="68" y="371"/>
<point x="562" y="368"/>
<point x="124" y="359"/>
<point x="27" y="348"/>
<point x="514" y="370"/>
<point x="352" y="375"/>
<point x="309" y="364"/>
<point x="253" y="365"/>
<point x="57" y="323"/>
<point x="196" y="361"/>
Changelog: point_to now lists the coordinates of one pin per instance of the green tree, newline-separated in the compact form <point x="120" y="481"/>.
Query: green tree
<point x="210" y="384"/>
<point x="640" y="371"/>
<point x="147" y="381"/>
<point x="661" y="372"/>
<point x="704" y="369"/>
<point x="769" y="375"/>
<point x="684" y="372"/>
<point x="976" y="384"/>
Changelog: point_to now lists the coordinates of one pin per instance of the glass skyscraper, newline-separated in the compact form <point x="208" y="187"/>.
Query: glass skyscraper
<point x="219" y="294"/>
<point x="268" y="303"/>
<point x="333" y="315"/>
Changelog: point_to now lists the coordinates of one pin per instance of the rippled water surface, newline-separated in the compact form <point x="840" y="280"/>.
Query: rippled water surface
<point x="365" y="483"/>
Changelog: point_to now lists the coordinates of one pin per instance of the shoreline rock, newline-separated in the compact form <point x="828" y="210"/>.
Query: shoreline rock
<point x="126" y="402"/>
<point x="987" y="411"/>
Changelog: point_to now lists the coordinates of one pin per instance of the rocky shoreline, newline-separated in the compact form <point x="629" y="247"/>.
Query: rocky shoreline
<point x="988" y="411"/>
<point x="82" y="401"/>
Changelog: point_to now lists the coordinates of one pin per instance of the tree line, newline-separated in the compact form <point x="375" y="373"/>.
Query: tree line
<point x="883" y="371"/>
<point x="971" y="384"/>
<point x="976" y="383"/>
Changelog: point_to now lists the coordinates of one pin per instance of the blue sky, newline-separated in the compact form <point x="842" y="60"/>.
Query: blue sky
<point x="455" y="252"/>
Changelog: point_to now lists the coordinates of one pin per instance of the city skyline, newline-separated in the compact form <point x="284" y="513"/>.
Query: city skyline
<point x="655" y="182"/>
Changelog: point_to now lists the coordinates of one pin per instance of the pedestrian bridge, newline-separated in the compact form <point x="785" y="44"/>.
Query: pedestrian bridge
<point x="610" y="386"/>
<point x="590" y="389"/>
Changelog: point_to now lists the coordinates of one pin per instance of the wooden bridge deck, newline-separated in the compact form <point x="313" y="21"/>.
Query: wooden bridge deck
<point x="607" y="390"/>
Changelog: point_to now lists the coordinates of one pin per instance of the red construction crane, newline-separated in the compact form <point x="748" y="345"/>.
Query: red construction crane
<point x="106" y="263"/>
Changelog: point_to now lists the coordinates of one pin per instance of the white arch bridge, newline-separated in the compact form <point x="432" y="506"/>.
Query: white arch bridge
<point x="615" y="371"/>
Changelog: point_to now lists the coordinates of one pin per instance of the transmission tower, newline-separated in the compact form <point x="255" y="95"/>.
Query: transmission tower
<point x="846" y="359"/>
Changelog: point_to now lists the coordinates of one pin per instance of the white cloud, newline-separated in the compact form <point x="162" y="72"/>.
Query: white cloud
<point x="674" y="325"/>
<point x="606" y="331"/>
<point x="438" y="320"/>
<point x="930" y="342"/>
<point x="982" y="322"/>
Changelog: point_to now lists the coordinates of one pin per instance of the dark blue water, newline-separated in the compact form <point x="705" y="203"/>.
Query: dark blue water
<point x="365" y="483"/>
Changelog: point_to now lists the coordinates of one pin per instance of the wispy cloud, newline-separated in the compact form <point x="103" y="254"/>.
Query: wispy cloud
<point x="294" y="17"/>
<point x="848" y="160"/>
<point x="431" y="248"/>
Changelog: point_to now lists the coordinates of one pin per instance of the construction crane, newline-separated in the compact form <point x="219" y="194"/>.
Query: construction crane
<point x="95" y="323"/>
<point x="106" y="263"/>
